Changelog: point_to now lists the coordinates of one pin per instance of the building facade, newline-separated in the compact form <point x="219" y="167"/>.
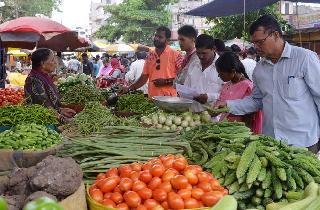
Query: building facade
<point x="179" y="18"/>
<point x="97" y="16"/>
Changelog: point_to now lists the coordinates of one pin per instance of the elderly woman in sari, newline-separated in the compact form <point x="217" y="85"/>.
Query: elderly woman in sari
<point x="39" y="87"/>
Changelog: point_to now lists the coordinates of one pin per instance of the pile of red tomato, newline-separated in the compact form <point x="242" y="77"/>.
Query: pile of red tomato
<point x="167" y="182"/>
<point x="9" y="96"/>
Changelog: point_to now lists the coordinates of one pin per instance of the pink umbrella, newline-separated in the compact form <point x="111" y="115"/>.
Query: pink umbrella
<point x="30" y="32"/>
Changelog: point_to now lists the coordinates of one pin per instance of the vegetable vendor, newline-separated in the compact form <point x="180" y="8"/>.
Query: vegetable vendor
<point x="39" y="87"/>
<point x="160" y="68"/>
<point x="286" y="87"/>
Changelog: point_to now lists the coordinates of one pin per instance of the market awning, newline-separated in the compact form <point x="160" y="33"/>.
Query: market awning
<point x="221" y="8"/>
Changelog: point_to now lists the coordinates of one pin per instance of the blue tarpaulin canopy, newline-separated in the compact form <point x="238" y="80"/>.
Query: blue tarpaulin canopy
<point x="220" y="8"/>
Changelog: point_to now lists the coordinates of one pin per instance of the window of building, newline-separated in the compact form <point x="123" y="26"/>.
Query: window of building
<point x="286" y="8"/>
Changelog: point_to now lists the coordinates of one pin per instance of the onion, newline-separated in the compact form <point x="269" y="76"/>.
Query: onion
<point x="166" y="128"/>
<point x="162" y="119"/>
<point x="168" y="122"/>
<point x="159" y="126"/>
<point x="184" y="124"/>
<point x="173" y="127"/>
<point x="177" y="120"/>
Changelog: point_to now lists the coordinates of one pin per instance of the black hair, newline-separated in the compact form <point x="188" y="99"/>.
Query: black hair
<point x="98" y="56"/>
<point x="84" y="55"/>
<point x="59" y="54"/>
<point x="166" y="30"/>
<point x="220" y="46"/>
<point x="205" y="41"/>
<point x="141" y="55"/>
<point x="251" y="51"/>
<point x="235" y="48"/>
<point x="39" y="56"/>
<point x="188" y="31"/>
<point x="229" y="62"/>
<point x="227" y="49"/>
<point x="268" y="22"/>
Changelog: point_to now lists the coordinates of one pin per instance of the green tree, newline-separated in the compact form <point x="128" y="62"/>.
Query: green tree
<point x="19" y="8"/>
<point x="231" y="27"/>
<point x="135" y="20"/>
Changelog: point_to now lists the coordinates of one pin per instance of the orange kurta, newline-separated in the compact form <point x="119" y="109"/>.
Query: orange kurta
<point x="170" y="63"/>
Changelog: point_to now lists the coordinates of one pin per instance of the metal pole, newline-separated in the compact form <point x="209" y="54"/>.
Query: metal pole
<point x="244" y="21"/>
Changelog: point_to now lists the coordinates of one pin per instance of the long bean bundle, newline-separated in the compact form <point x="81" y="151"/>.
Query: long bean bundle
<point x="116" y="145"/>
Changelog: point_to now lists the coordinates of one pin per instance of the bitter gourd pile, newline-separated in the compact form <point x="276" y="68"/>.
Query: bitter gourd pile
<point x="257" y="170"/>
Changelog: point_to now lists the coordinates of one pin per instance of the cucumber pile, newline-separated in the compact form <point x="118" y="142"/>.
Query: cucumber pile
<point x="257" y="170"/>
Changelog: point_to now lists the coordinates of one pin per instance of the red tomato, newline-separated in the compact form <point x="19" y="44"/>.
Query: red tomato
<point x="162" y="157"/>
<point x="108" y="203"/>
<point x="175" y="201"/>
<point x="205" y="186"/>
<point x="191" y="176"/>
<point x="191" y="203"/>
<point x="158" y="207"/>
<point x="138" y="185"/>
<point x="141" y="207"/>
<point x="122" y="206"/>
<point x="215" y="185"/>
<point x="179" y="182"/>
<point x="101" y="176"/>
<point x="211" y="198"/>
<point x="136" y="167"/>
<point x="180" y="164"/>
<point x="154" y="183"/>
<point x="184" y="193"/>
<point x="93" y="187"/>
<point x="112" y="172"/>
<point x="168" y="163"/>
<point x="157" y="170"/>
<point x="125" y="184"/>
<point x="204" y="177"/>
<point x="146" y="166"/>
<point x="109" y="184"/>
<point x="197" y="193"/>
<point x="150" y="204"/>
<point x="166" y="186"/>
<point x="194" y="168"/>
<point x="117" y="189"/>
<point x="96" y="195"/>
<point x="145" y="193"/>
<point x="132" y="199"/>
<point x="169" y="174"/>
<point x="117" y="197"/>
<point x="159" y="195"/>
<point x="145" y="176"/>
<point x="134" y="175"/>
<point x="107" y="195"/>
<point x="124" y="171"/>
<point x="165" y="204"/>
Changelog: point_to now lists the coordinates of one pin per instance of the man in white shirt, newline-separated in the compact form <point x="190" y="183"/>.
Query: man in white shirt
<point x="136" y="70"/>
<point x="250" y="62"/>
<point x="74" y="65"/>
<point x="203" y="76"/>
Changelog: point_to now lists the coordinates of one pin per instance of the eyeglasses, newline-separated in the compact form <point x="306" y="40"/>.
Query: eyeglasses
<point x="260" y="42"/>
<point x="158" y="64"/>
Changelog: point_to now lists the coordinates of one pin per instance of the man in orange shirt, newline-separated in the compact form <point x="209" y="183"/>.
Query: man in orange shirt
<point x="160" y="67"/>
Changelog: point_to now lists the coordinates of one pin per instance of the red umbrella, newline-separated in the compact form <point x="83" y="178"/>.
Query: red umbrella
<point x="30" y="32"/>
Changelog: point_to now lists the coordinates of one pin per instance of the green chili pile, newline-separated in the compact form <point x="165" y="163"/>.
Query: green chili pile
<point x="29" y="137"/>
<point x="18" y="114"/>
<point x="135" y="102"/>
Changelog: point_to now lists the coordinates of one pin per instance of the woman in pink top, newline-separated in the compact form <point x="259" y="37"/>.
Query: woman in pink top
<point x="237" y="86"/>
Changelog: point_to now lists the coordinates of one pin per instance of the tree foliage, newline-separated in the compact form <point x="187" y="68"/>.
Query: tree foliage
<point x="230" y="27"/>
<point x="135" y="20"/>
<point x="19" y="8"/>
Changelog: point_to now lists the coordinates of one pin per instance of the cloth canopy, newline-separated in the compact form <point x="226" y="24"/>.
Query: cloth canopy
<point x="221" y="8"/>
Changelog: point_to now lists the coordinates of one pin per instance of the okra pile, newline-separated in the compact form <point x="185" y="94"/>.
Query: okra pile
<point x="29" y="137"/>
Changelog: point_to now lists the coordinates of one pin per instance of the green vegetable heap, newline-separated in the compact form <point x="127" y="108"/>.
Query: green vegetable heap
<point x="135" y="102"/>
<point x="43" y="203"/>
<point x="17" y="114"/>
<point x="29" y="137"/>
<point x="257" y="170"/>
<point x="65" y="84"/>
<point x="95" y="117"/>
<point x="80" y="94"/>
